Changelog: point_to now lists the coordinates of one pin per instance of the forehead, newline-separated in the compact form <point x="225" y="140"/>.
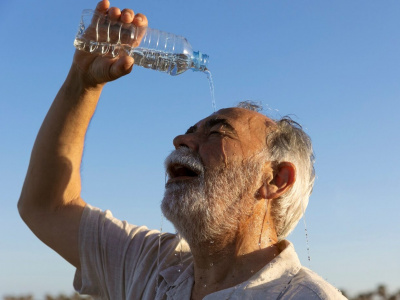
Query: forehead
<point x="244" y="121"/>
<point x="239" y="116"/>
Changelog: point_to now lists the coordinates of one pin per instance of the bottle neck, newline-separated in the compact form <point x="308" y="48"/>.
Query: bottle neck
<point x="199" y="61"/>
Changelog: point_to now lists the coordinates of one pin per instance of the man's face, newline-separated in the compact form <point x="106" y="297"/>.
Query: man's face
<point x="225" y="136"/>
<point x="214" y="173"/>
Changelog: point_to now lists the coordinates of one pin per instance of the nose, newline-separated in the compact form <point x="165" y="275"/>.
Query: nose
<point x="186" y="140"/>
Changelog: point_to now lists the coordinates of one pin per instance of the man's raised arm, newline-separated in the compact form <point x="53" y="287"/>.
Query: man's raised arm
<point x="50" y="201"/>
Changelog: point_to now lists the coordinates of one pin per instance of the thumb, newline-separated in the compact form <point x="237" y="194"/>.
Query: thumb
<point x="122" y="66"/>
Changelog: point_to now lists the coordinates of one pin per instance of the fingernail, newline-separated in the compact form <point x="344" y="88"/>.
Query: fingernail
<point x="139" y="18"/>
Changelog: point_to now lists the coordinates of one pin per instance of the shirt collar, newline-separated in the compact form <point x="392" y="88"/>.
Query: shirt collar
<point x="175" y="275"/>
<point x="281" y="269"/>
<point x="273" y="277"/>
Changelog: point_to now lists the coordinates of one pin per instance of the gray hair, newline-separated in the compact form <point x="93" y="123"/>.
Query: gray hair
<point x="287" y="142"/>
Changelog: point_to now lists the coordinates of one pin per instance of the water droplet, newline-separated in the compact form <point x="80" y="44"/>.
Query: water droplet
<point x="211" y="242"/>
<point x="252" y="271"/>
<point x="306" y="232"/>
<point x="204" y="285"/>
<point x="179" y="270"/>
<point x="211" y="264"/>
<point x="210" y="80"/>
<point x="159" y="247"/>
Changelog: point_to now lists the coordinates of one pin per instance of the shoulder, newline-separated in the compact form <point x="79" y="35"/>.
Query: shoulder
<point x="101" y="228"/>
<point x="308" y="285"/>
<point x="117" y="257"/>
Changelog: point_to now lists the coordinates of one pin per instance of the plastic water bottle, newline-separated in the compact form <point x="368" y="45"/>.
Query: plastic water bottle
<point x="150" y="48"/>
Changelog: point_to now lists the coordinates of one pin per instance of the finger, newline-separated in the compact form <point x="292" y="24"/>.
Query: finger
<point x="98" y="19"/>
<point x="124" y="33"/>
<point x="103" y="6"/>
<point x="121" y="67"/>
<point x="127" y="15"/>
<point x="140" y="20"/>
<point x="114" y="13"/>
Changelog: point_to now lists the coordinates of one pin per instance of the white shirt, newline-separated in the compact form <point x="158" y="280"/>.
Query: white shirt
<point x="123" y="261"/>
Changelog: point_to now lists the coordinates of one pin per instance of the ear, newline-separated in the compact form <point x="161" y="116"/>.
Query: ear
<point x="278" y="180"/>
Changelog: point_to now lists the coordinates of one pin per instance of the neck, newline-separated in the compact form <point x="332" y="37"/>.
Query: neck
<point x="227" y="268"/>
<point x="222" y="263"/>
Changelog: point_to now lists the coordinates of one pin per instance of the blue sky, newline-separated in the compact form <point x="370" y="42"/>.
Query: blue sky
<point x="333" y="65"/>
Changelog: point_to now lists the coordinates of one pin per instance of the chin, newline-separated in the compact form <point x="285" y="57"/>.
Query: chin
<point x="195" y="221"/>
<point x="187" y="214"/>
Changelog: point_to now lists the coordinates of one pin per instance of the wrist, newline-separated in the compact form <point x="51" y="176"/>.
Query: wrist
<point x="82" y="80"/>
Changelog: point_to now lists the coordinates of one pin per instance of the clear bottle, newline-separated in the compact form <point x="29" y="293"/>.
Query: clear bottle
<point x="150" y="48"/>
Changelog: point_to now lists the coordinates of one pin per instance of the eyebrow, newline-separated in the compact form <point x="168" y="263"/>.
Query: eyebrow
<point x="192" y="129"/>
<point x="211" y="123"/>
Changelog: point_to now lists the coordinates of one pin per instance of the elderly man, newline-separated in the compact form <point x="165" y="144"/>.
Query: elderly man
<point x="238" y="184"/>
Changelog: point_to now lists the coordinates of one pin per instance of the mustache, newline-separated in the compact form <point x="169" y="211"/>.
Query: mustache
<point x="185" y="157"/>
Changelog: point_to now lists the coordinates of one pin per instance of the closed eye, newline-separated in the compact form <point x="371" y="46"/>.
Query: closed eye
<point x="214" y="132"/>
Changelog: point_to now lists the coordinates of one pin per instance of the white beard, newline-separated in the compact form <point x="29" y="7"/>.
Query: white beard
<point x="209" y="207"/>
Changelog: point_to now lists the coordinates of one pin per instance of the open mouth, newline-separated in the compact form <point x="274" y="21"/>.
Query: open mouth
<point x="181" y="172"/>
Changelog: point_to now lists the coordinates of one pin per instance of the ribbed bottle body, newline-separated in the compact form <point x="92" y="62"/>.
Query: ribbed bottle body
<point x="150" y="48"/>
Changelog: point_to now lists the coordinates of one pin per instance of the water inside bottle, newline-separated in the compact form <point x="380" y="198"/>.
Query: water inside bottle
<point x="171" y="63"/>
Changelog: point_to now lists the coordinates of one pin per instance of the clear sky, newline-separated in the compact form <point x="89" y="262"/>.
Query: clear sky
<point x="333" y="65"/>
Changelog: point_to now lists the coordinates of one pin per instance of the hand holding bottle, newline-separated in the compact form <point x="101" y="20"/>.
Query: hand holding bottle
<point x="98" y="69"/>
<point x="112" y="35"/>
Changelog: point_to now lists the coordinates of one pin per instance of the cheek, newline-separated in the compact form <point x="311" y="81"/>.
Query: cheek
<point x="232" y="150"/>
<point x="212" y="154"/>
<point x="220" y="152"/>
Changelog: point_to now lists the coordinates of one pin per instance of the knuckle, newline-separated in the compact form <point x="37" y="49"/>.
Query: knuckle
<point x="142" y="16"/>
<point x="128" y="10"/>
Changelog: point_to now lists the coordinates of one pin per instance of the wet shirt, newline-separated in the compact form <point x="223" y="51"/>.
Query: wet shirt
<point x="123" y="261"/>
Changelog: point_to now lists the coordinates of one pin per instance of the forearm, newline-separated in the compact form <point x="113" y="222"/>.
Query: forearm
<point x="53" y="177"/>
<point x="50" y="201"/>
